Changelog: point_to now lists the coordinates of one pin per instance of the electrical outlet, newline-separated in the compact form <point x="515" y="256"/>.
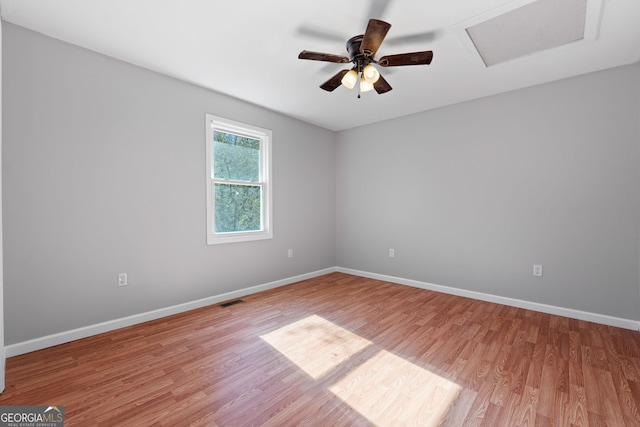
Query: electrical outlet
<point x="290" y="253"/>
<point x="537" y="270"/>
<point x="122" y="279"/>
<point x="392" y="253"/>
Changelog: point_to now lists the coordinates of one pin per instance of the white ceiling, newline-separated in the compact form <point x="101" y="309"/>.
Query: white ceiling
<point x="248" y="49"/>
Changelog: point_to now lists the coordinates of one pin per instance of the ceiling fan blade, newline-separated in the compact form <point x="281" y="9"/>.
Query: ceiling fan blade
<point x="320" y="33"/>
<point x="414" y="58"/>
<point x="376" y="31"/>
<point x="425" y="37"/>
<point x="381" y="85"/>
<point x="319" y="56"/>
<point x="335" y="81"/>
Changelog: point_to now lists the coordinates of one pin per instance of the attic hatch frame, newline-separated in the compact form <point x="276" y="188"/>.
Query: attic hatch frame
<point x="593" y="20"/>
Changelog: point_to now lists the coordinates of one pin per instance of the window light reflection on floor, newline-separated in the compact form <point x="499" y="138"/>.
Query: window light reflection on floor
<point x="315" y="344"/>
<point x="389" y="390"/>
<point x="385" y="389"/>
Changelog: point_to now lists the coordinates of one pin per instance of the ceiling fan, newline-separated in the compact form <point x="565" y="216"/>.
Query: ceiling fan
<point x="362" y="50"/>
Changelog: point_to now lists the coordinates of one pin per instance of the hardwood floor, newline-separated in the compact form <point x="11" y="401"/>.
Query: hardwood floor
<point x="346" y="351"/>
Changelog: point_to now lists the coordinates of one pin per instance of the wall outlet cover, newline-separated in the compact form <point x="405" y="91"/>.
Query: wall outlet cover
<point x="122" y="279"/>
<point x="537" y="270"/>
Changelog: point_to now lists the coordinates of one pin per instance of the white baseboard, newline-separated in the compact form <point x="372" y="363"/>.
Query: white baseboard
<point x="87" y="331"/>
<point x="543" y="308"/>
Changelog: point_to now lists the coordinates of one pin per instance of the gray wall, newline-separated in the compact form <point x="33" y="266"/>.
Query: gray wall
<point x="104" y="172"/>
<point x="472" y="195"/>
<point x="2" y="349"/>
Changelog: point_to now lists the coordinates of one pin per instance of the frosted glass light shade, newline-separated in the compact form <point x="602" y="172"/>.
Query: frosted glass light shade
<point x="349" y="80"/>
<point x="370" y="74"/>
<point x="365" y="86"/>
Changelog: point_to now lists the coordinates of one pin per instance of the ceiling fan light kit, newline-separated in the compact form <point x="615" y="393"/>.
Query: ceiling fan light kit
<point x="362" y="50"/>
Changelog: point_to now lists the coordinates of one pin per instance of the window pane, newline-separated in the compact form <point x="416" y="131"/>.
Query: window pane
<point x="237" y="208"/>
<point x="235" y="157"/>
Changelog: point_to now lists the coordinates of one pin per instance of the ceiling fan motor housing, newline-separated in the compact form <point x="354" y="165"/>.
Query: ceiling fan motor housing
<point x="358" y="58"/>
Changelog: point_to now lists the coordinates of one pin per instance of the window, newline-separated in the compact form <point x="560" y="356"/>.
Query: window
<point x="238" y="181"/>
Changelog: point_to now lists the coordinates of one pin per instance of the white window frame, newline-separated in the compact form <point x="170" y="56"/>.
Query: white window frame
<point x="221" y="124"/>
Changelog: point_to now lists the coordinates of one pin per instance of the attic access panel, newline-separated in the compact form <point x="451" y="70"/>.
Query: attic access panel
<point x="523" y="28"/>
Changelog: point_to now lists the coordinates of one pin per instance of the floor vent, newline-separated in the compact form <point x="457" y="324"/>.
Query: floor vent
<point x="230" y="303"/>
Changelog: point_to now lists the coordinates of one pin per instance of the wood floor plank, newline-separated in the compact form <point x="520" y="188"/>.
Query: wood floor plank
<point x="578" y="413"/>
<point x="528" y="408"/>
<point x="349" y="351"/>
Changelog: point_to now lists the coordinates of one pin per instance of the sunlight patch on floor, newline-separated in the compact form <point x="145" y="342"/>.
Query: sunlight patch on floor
<point x="315" y="344"/>
<point x="385" y="389"/>
<point x="389" y="390"/>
